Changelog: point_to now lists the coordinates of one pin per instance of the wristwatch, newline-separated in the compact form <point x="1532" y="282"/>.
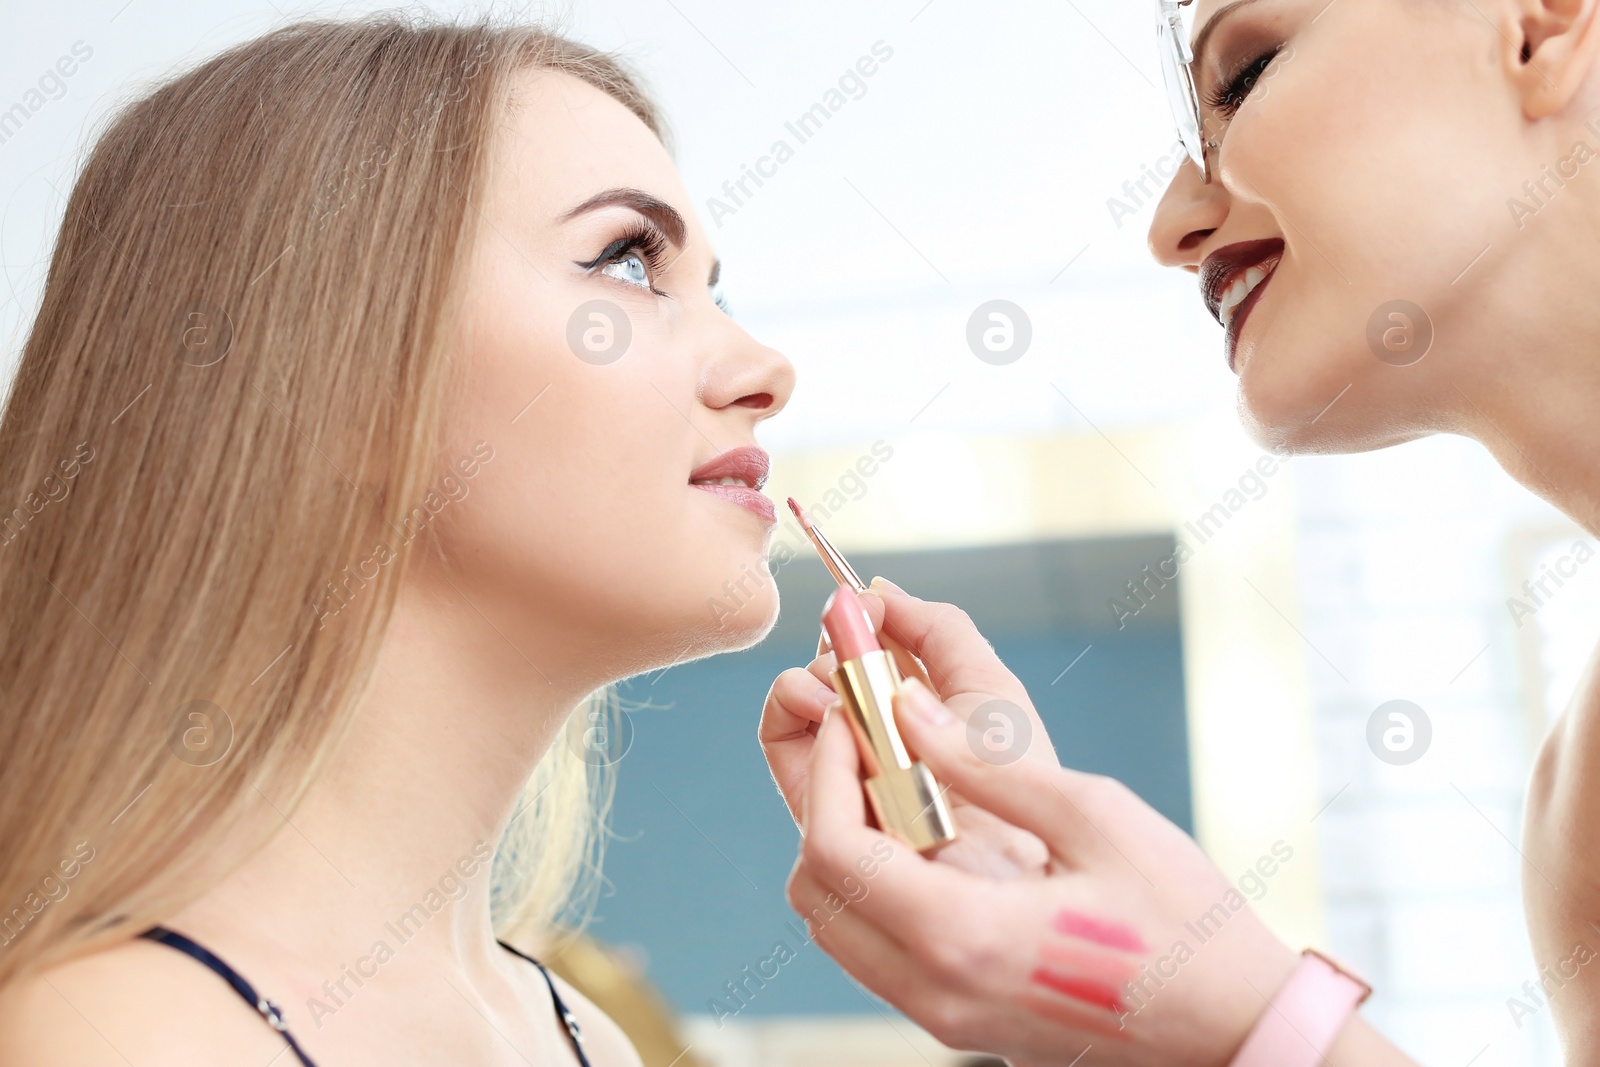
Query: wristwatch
<point x="1303" y="1020"/>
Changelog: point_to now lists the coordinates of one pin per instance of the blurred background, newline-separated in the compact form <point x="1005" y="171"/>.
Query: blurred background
<point x="1040" y="468"/>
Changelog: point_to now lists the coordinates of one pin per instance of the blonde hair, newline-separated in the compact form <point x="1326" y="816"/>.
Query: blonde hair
<point x="233" y="389"/>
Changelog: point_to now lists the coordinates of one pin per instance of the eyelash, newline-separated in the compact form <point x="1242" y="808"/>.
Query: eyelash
<point x="1228" y="98"/>
<point x="650" y="244"/>
<point x="643" y="239"/>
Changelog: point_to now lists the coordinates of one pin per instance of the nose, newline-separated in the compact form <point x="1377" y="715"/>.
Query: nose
<point x="747" y="375"/>
<point x="1190" y="211"/>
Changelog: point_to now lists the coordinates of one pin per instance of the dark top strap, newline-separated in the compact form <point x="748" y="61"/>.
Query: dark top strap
<point x="274" y="1017"/>
<point x="562" y="1010"/>
<point x="269" y="1011"/>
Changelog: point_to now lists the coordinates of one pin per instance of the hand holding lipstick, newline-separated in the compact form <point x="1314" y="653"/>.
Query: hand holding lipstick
<point x="1062" y="916"/>
<point x="799" y="697"/>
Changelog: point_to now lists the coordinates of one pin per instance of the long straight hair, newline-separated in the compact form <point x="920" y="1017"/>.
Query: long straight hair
<point x="232" y="392"/>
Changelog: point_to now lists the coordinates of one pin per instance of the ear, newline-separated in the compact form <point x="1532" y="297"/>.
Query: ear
<point x="1550" y="48"/>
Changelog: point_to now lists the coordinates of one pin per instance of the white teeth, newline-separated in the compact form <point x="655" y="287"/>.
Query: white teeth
<point x="1240" y="289"/>
<point x="722" y="481"/>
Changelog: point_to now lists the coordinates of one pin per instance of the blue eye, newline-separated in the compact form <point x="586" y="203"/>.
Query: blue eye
<point x="630" y="268"/>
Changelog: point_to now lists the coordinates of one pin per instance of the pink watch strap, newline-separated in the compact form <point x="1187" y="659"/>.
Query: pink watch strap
<point x="1305" y="1017"/>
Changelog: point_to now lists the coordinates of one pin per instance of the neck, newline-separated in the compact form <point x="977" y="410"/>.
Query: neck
<point x="1550" y="442"/>
<point x="392" y="842"/>
<point x="1532" y="399"/>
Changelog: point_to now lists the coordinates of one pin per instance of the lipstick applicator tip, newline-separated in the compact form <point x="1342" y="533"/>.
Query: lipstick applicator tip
<point x="800" y="514"/>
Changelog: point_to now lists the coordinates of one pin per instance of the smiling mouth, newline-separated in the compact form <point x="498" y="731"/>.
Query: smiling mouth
<point x="1232" y="280"/>
<point x="1239" y="290"/>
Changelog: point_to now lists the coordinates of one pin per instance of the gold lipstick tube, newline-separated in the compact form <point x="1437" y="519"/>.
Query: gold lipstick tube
<point x="906" y="800"/>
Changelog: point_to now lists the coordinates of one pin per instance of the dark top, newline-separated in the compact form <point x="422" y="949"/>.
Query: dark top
<point x="274" y="1017"/>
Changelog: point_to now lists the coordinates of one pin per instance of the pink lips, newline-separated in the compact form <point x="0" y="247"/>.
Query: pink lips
<point x="748" y="465"/>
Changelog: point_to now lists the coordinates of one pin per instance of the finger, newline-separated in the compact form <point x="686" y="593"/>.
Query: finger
<point x="877" y="960"/>
<point x="794" y="707"/>
<point x="835" y="764"/>
<point x="989" y="846"/>
<point x="959" y="659"/>
<point x="915" y="980"/>
<point x="810" y="900"/>
<point x="910" y="892"/>
<point x="1028" y="793"/>
<point x="910" y="666"/>
<point x="921" y="984"/>
<point x="822" y="667"/>
<point x="919" y="981"/>
<point x="797" y="699"/>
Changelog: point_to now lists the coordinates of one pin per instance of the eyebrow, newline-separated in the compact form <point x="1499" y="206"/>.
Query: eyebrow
<point x="1210" y="27"/>
<point x="651" y="207"/>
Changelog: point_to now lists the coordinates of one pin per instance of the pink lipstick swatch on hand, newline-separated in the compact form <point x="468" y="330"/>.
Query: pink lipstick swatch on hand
<point x="1096" y="993"/>
<point x="1090" y="963"/>
<point x="1100" y="931"/>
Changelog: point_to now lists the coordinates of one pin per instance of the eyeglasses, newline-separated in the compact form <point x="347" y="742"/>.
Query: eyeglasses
<point x="1177" y="58"/>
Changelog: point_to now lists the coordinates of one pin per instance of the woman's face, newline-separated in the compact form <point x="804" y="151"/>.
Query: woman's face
<point x="1369" y="153"/>
<point x="619" y="524"/>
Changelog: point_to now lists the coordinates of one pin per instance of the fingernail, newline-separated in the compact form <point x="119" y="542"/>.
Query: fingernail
<point x="881" y="582"/>
<point x="920" y="701"/>
<point x="825" y="696"/>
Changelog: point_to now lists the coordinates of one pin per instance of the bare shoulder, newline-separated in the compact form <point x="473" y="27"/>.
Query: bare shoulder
<point x="1564" y="789"/>
<point x="603" y="1040"/>
<point x="136" y="1003"/>
<point x="1561" y="875"/>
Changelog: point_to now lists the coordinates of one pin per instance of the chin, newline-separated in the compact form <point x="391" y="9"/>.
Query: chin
<point x="684" y="633"/>
<point x="1283" y="393"/>
<point x="1299" y="400"/>
<point x="741" y="617"/>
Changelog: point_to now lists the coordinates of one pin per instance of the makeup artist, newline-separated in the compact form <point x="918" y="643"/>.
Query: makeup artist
<point x="1388" y="203"/>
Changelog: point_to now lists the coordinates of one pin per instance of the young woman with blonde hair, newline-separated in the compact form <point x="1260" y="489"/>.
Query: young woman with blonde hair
<point x="401" y="419"/>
